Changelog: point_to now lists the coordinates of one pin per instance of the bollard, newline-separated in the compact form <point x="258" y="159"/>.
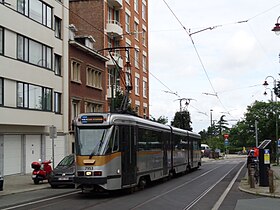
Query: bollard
<point x="251" y="176"/>
<point x="270" y="181"/>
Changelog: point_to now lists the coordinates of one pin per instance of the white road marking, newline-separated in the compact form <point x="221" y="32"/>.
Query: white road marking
<point x="206" y="191"/>
<point x="222" y="198"/>
<point x="160" y="195"/>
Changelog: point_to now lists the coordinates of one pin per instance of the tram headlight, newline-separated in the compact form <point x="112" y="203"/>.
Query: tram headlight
<point x="118" y="171"/>
<point x="88" y="173"/>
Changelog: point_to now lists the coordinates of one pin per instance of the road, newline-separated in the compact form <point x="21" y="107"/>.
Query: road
<point x="213" y="186"/>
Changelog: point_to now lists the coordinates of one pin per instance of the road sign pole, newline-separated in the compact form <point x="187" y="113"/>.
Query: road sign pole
<point x="53" y="135"/>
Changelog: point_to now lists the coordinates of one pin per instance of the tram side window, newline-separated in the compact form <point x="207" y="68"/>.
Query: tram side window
<point x="180" y="142"/>
<point x="195" y="144"/>
<point x="149" y="140"/>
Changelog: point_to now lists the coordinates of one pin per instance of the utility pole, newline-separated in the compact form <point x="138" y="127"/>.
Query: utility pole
<point x="256" y="132"/>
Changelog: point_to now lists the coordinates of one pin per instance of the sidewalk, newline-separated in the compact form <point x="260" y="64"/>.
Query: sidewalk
<point x="263" y="191"/>
<point x="21" y="183"/>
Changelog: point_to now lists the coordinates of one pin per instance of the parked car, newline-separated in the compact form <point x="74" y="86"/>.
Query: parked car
<point x="63" y="174"/>
<point x="205" y="150"/>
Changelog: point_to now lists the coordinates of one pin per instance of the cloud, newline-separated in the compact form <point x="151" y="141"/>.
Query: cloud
<point x="241" y="51"/>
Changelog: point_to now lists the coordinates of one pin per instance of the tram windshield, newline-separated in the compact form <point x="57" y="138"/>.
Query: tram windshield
<point x="91" y="141"/>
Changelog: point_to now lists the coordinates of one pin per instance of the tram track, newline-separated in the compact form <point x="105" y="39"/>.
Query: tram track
<point x="218" y="203"/>
<point x="171" y="190"/>
<point x="205" y="188"/>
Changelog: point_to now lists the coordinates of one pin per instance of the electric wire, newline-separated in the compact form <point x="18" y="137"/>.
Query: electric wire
<point x="103" y="33"/>
<point x="198" y="55"/>
<point x="210" y="28"/>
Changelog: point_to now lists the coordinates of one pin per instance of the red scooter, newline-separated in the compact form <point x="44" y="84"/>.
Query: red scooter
<point x="41" y="171"/>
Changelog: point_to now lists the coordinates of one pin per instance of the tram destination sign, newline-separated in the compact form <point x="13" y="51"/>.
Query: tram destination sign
<point x="87" y="119"/>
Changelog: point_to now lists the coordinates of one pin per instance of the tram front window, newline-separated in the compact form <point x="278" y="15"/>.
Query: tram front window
<point x="91" y="141"/>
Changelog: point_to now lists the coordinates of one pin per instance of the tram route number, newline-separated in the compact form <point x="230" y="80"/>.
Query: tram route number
<point x="88" y="168"/>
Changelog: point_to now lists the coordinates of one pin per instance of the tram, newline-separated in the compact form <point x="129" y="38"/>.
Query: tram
<point x="120" y="151"/>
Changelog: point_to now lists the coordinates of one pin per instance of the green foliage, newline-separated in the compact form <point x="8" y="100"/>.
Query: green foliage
<point x="118" y="101"/>
<point x="243" y="133"/>
<point x="182" y="120"/>
<point x="161" y="119"/>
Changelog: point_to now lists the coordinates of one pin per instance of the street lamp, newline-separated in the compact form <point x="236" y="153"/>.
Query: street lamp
<point x="211" y="110"/>
<point x="271" y="93"/>
<point x="276" y="28"/>
<point x="276" y="112"/>
<point x="265" y="84"/>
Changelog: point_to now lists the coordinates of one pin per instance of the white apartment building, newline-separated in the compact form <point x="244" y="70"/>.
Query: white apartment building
<point x="33" y="82"/>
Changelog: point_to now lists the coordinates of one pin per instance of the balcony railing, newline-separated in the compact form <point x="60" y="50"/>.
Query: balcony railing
<point x="114" y="29"/>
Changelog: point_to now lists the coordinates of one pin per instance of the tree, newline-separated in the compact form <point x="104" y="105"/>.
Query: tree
<point x="182" y="120"/>
<point x="118" y="101"/>
<point x="243" y="133"/>
<point x="161" y="119"/>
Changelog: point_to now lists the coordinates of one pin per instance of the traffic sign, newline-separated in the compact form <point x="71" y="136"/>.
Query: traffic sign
<point x="226" y="142"/>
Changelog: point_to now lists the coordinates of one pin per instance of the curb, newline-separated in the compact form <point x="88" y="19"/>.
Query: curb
<point x="272" y="195"/>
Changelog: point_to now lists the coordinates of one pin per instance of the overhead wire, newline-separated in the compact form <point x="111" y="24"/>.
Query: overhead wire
<point x="103" y="33"/>
<point x="210" y="28"/>
<point x="197" y="53"/>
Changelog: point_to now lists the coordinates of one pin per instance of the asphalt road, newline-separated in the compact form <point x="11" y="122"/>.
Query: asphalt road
<point x="213" y="186"/>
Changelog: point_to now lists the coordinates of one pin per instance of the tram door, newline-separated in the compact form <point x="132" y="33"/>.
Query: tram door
<point x="128" y="142"/>
<point x="166" y="143"/>
<point x="191" y="151"/>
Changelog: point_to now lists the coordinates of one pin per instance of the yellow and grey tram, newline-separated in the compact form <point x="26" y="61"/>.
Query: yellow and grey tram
<point x="119" y="151"/>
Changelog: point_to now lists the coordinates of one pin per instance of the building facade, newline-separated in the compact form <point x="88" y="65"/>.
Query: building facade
<point x="33" y="82"/>
<point x="120" y="28"/>
<point x="87" y="87"/>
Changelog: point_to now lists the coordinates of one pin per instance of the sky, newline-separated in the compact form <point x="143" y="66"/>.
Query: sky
<point x="222" y="69"/>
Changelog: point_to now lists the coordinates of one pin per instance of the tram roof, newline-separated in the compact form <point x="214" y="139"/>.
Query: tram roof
<point x="118" y="118"/>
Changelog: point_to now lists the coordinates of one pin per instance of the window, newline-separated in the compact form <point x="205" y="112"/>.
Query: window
<point x="127" y="53"/>
<point x="57" y="27"/>
<point x="1" y="40"/>
<point x="57" y="102"/>
<point x="1" y="91"/>
<point x="47" y="99"/>
<point x="75" y="71"/>
<point x="136" y="57"/>
<point x="145" y="113"/>
<point x="145" y="89"/>
<point x="144" y="8"/>
<point x="144" y="37"/>
<point x="57" y="64"/>
<point x="34" y="52"/>
<point x="36" y="10"/>
<point x="93" y="107"/>
<point x="137" y="86"/>
<point x="136" y="33"/>
<point x="94" y="78"/>
<point x="34" y="97"/>
<point x="127" y="23"/>
<point x="136" y="7"/>
<point x="75" y="108"/>
<point x="128" y="77"/>
<point x="144" y="63"/>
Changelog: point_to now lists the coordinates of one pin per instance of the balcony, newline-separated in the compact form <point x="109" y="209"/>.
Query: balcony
<point x="117" y="58"/>
<point x="114" y="29"/>
<point x="115" y="3"/>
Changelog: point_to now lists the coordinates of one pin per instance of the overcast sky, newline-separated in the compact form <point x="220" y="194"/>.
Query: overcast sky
<point x="232" y="60"/>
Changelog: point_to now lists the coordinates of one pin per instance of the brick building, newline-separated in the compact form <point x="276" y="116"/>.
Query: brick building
<point x="114" y="25"/>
